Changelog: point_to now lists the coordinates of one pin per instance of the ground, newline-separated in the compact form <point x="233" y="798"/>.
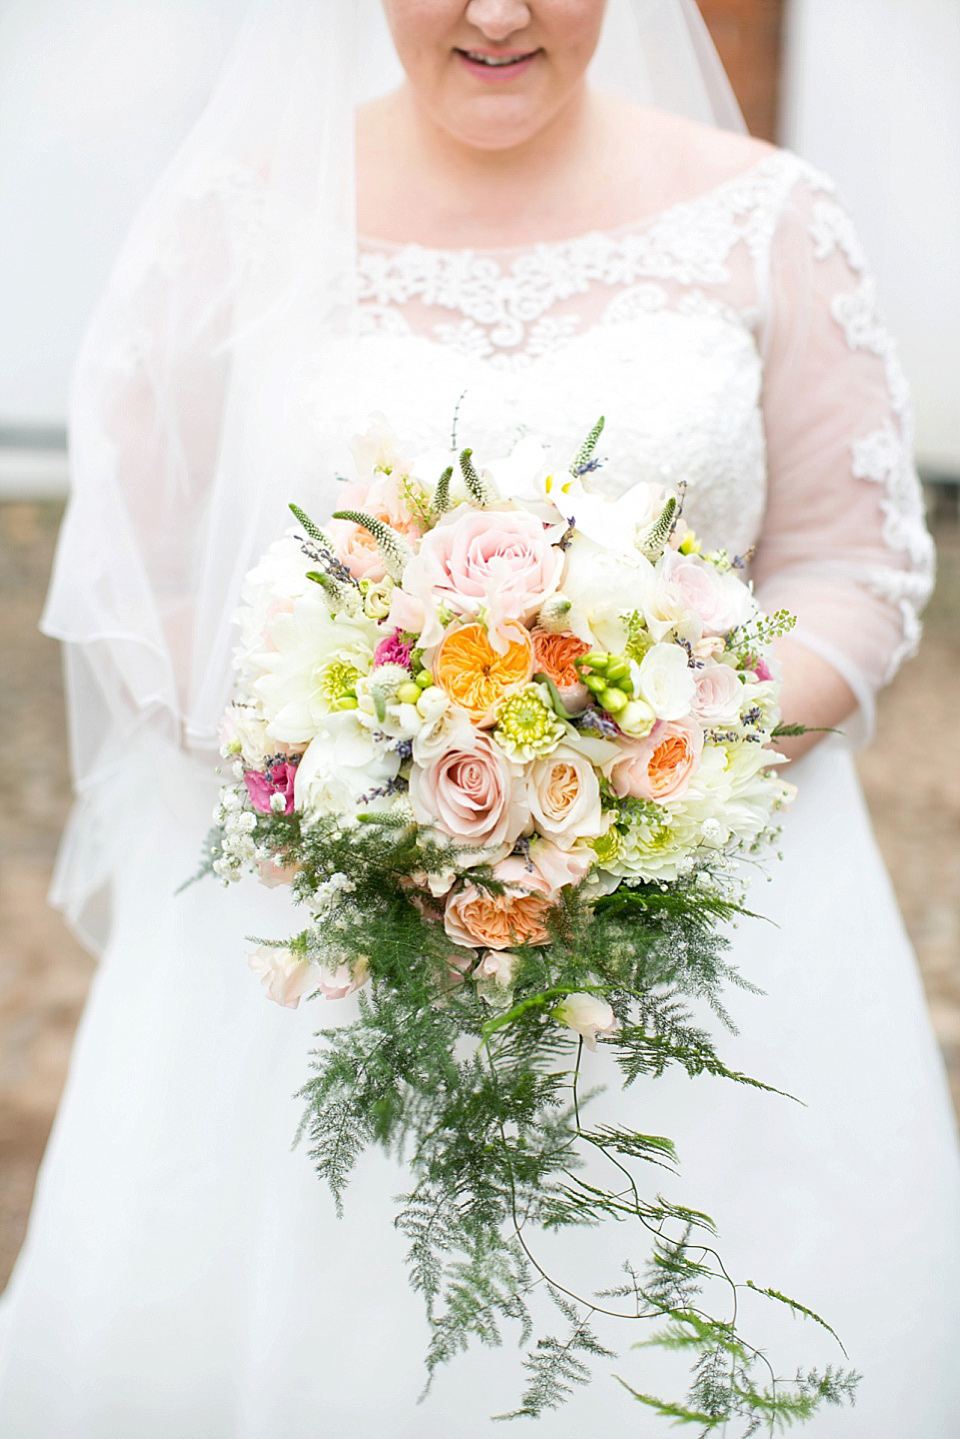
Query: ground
<point x="911" y="775"/>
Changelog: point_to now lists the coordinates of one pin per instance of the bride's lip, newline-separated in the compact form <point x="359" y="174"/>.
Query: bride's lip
<point x="497" y="66"/>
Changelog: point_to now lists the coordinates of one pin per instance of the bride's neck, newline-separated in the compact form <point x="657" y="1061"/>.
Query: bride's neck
<point x="418" y="182"/>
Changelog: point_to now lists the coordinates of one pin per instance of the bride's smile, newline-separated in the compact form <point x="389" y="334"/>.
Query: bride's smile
<point x="492" y="74"/>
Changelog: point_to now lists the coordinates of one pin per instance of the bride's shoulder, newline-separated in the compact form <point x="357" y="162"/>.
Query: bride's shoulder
<point x="666" y="157"/>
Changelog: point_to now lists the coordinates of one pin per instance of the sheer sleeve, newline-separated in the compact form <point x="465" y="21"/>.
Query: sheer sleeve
<point x="844" y="545"/>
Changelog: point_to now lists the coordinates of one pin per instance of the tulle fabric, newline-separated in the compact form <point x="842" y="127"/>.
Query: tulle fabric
<point x="181" y="443"/>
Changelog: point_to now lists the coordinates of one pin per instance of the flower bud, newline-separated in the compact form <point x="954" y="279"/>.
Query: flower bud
<point x="553" y="614"/>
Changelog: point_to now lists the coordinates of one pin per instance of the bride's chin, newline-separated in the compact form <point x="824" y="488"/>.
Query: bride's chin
<point x="498" y="121"/>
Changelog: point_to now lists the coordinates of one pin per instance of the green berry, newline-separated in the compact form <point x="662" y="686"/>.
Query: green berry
<point x="345" y="702"/>
<point x="596" y="659"/>
<point x="424" y="679"/>
<point x="618" y="669"/>
<point x="596" y="683"/>
<point x="408" y="693"/>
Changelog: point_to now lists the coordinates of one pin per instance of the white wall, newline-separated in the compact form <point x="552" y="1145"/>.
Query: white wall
<point x="94" y="97"/>
<point x="872" y="97"/>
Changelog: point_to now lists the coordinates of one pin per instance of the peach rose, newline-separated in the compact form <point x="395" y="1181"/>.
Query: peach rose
<point x="565" y="797"/>
<point x="474" y="916"/>
<point x="554" y="655"/>
<point x="470" y="792"/>
<point x="355" y="546"/>
<point x="660" y="766"/>
<point x="471" y="672"/>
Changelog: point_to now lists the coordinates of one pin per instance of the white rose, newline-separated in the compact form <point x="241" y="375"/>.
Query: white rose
<point x="665" y="680"/>
<point x="587" y="1016"/>
<point x="564" y="795"/>
<point x="341" y="768"/>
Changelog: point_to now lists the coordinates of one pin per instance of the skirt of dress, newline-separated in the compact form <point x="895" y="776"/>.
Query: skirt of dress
<point x="185" y="1273"/>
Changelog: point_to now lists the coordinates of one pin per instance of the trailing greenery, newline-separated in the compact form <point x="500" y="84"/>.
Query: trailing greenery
<point x="478" y="1089"/>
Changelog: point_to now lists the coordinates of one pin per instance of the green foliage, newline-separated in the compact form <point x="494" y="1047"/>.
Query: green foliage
<point x="484" y="1103"/>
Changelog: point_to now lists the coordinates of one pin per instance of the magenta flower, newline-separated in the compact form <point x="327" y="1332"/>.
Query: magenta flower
<point x="392" y="651"/>
<point x="278" y="779"/>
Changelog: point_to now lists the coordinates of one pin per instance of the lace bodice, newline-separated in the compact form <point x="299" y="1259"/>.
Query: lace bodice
<point x="732" y="342"/>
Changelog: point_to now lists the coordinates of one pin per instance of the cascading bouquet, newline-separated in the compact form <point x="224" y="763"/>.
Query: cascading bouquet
<point x="507" y="740"/>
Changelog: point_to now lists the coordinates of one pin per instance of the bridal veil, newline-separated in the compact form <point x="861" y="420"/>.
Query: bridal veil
<point x="183" y="446"/>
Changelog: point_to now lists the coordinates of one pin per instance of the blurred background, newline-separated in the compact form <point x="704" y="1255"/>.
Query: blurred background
<point x="94" y="99"/>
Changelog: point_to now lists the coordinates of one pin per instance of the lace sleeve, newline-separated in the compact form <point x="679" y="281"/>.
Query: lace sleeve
<point x="844" y="544"/>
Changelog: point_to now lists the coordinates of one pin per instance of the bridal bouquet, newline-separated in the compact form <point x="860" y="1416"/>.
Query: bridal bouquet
<point x="507" y="741"/>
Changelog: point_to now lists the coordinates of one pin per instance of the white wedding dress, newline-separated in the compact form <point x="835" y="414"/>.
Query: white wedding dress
<point x="185" y="1276"/>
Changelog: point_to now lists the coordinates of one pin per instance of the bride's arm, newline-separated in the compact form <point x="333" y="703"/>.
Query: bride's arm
<point x="843" y="545"/>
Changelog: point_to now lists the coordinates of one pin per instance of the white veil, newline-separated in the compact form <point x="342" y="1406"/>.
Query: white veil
<point x="183" y="450"/>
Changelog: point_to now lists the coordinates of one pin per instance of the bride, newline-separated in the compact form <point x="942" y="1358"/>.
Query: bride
<point x="557" y="217"/>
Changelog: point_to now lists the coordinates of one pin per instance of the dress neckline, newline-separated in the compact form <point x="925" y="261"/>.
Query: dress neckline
<point x="766" y="165"/>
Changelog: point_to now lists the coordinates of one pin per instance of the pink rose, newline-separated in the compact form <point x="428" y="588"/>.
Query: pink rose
<point x="559" y="867"/>
<point x="721" y="601"/>
<point x="718" y="694"/>
<point x="276" y="779"/>
<point x="475" y="916"/>
<point x="499" y="559"/>
<point x="660" y="766"/>
<point x="471" y="792"/>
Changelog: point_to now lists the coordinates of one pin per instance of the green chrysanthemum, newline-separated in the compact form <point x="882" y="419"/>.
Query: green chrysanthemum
<point x="606" y="847"/>
<point x="527" y="726"/>
<point x="338" y="680"/>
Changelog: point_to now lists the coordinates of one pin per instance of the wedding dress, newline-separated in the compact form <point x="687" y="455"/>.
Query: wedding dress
<point x="184" y="1272"/>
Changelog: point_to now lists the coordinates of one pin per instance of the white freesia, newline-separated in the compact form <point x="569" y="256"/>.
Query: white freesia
<point x="341" y="768"/>
<point x="243" y="731"/>
<point x="604" y="589"/>
<point x="588" y="1016"/>
<point x="443" y="726"/>
<point x="527" y="477"/>
<point x="664" y="679"/>
<point x="614" y="524"/>
<point x="311" y="650"/>
<point x="401" y="720"/>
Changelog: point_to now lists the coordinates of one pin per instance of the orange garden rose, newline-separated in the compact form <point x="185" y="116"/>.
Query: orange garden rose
<point x="475" y="916"/>
<point x="659" y="767"/>
<point x="554" y="655"/>
<point x="469" y="670"/>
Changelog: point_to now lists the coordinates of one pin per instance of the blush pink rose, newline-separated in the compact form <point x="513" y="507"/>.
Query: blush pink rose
<point x="720" y="601"/>
<point x="471" y="792"/>
<point x="660" y="767"/>
<point x="560" y="867"/>
<point x="475" y="916"/>
<point x="484" y="558"/>
<point x="717" y="695"/>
